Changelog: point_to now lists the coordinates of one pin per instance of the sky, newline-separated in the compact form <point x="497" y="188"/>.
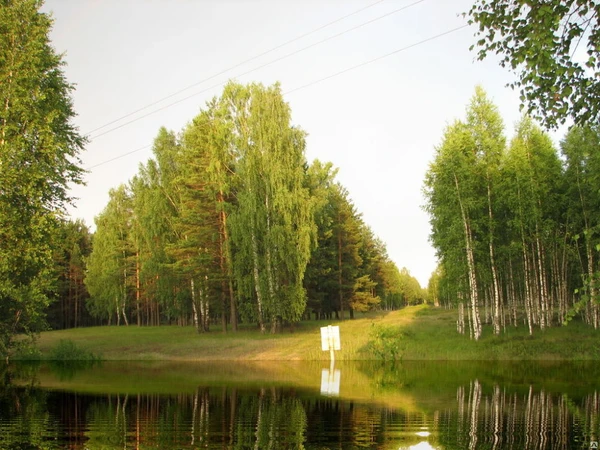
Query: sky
<point x="378" y="123"/>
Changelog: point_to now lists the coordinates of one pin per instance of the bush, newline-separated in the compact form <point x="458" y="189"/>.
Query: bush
<point x="385" y="342"/>
<point x="26" y="351"/>
<point x="67" y="350"/>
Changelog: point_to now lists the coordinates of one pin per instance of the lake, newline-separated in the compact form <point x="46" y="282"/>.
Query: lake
<point x="300" y="405"/>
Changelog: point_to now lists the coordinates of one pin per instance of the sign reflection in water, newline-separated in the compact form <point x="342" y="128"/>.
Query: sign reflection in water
<point x="419" y="446"/>
<point x="410" y="406"/>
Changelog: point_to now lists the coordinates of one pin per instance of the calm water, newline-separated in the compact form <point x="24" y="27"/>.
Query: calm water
<point x="415" y="406"/>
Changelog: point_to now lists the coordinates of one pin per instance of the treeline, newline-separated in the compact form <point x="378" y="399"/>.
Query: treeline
<point x="227" y="223"/>
<point x="515" y="225"/>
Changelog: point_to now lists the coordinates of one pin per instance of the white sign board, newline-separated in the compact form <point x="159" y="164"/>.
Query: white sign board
<point x="330" y="338"/>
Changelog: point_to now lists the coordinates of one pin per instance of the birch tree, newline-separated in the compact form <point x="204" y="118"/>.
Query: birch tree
<point x="452" y="201"/>
<point x="273" y="222"/>
<point x="581" y="149"/>
<point x="39" y="147"/>
<point x="109" y="272"/>
<point x="208" y="162"/>
<point x="487" y="131"/>
<point x="534" y="174"/>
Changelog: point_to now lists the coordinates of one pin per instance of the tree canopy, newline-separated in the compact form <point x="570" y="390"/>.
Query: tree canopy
<point x="38" y="160"/>
<point x="515" y="225"/>
<point x="229" y="221"/>
<point x="553" y="46"/>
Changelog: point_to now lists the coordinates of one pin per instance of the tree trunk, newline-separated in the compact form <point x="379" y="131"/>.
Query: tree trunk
<point x="137" y="289"/>
<point x="526" y="279"/>
<point x="341" y="292"/>
<point x="543" y="295"/>
<point x="8" y="90"/>
<point x="124" y="300"/>
<point x="495" y="287"/>
<point x="511" y="293"/>
<point x="194" y="308"/>
<point x="471" y="267"/>
<point x="228" y="264"/>
<point x="460" y="323"/>
<point x="257" y="285"/>
<point x="275" y="307"/>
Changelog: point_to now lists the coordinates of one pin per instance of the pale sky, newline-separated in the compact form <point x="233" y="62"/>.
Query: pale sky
<point x="379" y="123"/>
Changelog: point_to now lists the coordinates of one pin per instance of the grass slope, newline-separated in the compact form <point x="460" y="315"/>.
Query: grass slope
<point x="425" y="333"/>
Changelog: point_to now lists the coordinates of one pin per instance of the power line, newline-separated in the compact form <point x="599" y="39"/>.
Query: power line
<point x="377" y="59"/>
<point x="234" y="67"/>
<point x="348" y="69"/>
<point x="119" y="157"/>
<point x="162" y="108"/>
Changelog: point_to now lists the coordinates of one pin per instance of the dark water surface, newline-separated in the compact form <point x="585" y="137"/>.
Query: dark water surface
<point x="411" y="405"/>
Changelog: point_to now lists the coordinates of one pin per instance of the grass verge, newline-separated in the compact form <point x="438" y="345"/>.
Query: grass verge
<point x="420" y="333"/>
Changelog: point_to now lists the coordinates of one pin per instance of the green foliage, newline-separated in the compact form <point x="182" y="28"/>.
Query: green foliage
<point x="108" y="264"/>
<point x="228" y="219"/>
<point x="39" y="149"/>
<point x="363" y="298"/>
<point x="385" y="342"/>
<point x="26" y="350"/>
<point x="67" y="350"/>
<point x="73" y="246"/>
<point x="272" y="223"/>
<point x="539" y="40"/>
<point x="531" y="220"/>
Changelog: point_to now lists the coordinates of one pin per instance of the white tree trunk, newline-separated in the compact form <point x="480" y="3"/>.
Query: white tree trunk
<point x="194" y="308"/>
<point x="495" y="286"/>
<point x="257" y="286"/>
<point x="476" y="321"/>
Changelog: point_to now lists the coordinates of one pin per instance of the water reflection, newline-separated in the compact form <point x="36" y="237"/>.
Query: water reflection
<point x="418" y="406"/>
<point x="535" y="419"/>
<point x="330" y="381"/>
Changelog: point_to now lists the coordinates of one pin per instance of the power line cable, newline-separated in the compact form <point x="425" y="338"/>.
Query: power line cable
<point x="348" y="69"/>
<point x="119" y="157"/>
<point x="162" y="108"/>
<point x="377" y="59"/>
<point x="234" y="67"/>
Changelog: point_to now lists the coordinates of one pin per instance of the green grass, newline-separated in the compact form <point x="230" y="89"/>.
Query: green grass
<point x="183" y="343"/>
<point x="424" y="333"/>
<point x="433" y="336"/>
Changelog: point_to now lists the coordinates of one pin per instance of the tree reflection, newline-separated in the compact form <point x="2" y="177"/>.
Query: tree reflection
<point x="531" y="420"/>
<point x="451" y="409"/>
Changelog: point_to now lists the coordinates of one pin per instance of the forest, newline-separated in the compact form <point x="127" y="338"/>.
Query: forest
<point x="227" y="223"/>
<point x="515" y="224"/>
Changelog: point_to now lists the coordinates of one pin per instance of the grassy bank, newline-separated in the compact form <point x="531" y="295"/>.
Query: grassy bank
<point x="415" y="333"/>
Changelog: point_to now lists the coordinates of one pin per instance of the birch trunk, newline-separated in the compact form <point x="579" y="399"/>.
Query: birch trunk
<point x="194" y="308"/>
<point x="137" y="288"/>
<point x="495" y="287"/>
<point x="257" y="286"/>
<point x="8" y="91"/>
<point x="592" y="283"/>
<point x="341" y="292"/>
<point x="476" y="322"/>
<point x="543" y="294"/>
<point x="526" y="279"/>
<point x="227" y="262"/>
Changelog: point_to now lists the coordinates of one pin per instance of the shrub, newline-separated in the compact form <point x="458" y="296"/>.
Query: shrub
<point x="67" y="350"/>
<point x="26" y="351"/>
<point x="385" y="342"/>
